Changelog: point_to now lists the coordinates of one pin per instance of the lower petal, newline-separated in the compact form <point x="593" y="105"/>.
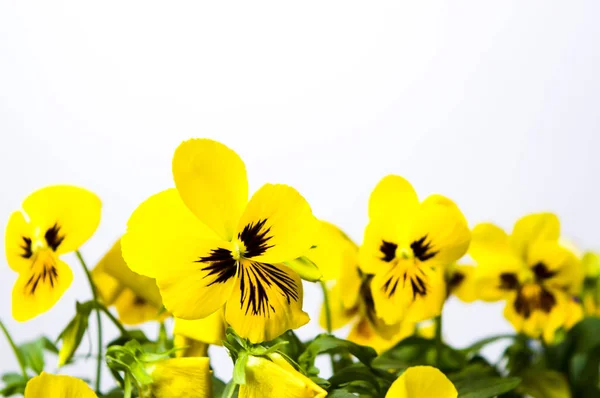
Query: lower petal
<point x="47" y="385"/>
<point x="265" y="302"/>
<point x="422" y="381"/>
<point x="37" y="290"/>
<point x="210" y="330"/>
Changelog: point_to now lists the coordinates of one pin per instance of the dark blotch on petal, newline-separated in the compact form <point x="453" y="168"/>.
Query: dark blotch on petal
<point x="508" y="281"/>
<point x="26" y="246"/>
<point x="542" y="272"/>
<point x="255" y="238"/>
<point x="389" y="250"/>
<point x="220" y="263"/>
<point x="53" y="237"/>
<point x="422" y="249"/>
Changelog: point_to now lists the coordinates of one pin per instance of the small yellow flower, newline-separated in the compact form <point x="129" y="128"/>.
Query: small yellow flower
<point x="195" y="336"/>
<point x="532" y="271"/>
<point x="275" y="377"/>
<point x="48" y="385"/>
<point x="421" y="382"/>
<point x="406" y="246"/>
<point x="59" y="220"/>
<point x="136" y="297"/>
<point x="208" y="246"/>
<point x="179" y="377"/>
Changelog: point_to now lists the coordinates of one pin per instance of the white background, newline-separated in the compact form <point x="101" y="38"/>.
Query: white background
<point x="495" y="105"/>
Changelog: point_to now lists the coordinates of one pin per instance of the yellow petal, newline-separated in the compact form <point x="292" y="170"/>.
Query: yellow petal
<point x="364" y="333"/>
<point x="498" y="276"/>
<point x="162" y="232"/>
<point x="107" y="287"/>
<point x="334" y="253"/>
<point x="189" y="347"/>
<point x="211" y="179"/>
<point x="17" y="242"/>
<point x="210" y="330"/>
<point x="574" y="312"/>
<point x="489" y="241"/>
<point x="444" y="229"/>
<point x="135" y="310"/>
<point x="277" y="225"/>
<point x="591" y="264"/>
<point x="340" y="314"/>
<point x="181" y="377"/>
<point x="38" y="289"/>
<point x="265" y="302"/>
<point x="422" y="381"/>
<point x="462" y="283"/>
<point x="277" y="378"/>
<point x="73" y="213"/>
<point x="533" y="228"/>
<point x="47" y="385"/>
<point x="556" y="266"/>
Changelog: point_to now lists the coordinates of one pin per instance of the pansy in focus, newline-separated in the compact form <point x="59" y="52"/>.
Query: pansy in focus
<point x="135" y="297"/>
<point x="55" y="220"/>
<point x="406" y="246"/>
<point x="208" y="246"/>
<point x="48" y="385"/>
<point x="530" y="269"/>
<point x="421" y="382"/>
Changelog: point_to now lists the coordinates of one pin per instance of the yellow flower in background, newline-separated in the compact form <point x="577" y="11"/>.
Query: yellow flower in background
<point x="135" y="297"/>
<point x="48" y="385"/>
<point x="421" y="382"/>
<point x="208" y="246"/>
<point x="406" y="246"/>
<point x="532" y="271"/>
<point x="59" y="220"/>
<point x="275" y="377"/>
<point x="179" y="377"/>
<point x="460" y="280"/>
<point x="590" y="295"/>
<point x="195" y="336"/>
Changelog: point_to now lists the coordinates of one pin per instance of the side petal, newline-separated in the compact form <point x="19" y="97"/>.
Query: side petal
<point x="462" y="283"/>
<point x="162" y="231"/>
<point x="265" y="302"/>
<point x="17" y="242"/>
<point x="212" y="181"/>
<point x="36" y="291"/>
<point x="533" y="228"/>
<point x="422" y="381"/>
<point x="556" y="266"/>
<point x="489" y="241"/>
<point x="210" y="330"/>
<point x="70" y="214"/>
<point x="277" y="225"/>
<point x="442" y="226"/>
<point x="334" y="251"/>
<point x="135" y="310"/>
<point x="182" y="377"/>
<point x="47" y="385"/>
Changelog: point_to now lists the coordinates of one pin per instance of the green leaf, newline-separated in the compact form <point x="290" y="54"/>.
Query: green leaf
<point x="305" y="268"/>
<point x="479" y="345"/>
<point x="484" y="387"/>
<point x="72" y="335"/>
<point x="239" y="369"/>
<point x="33" y="355"/>
<point x="135" y="334"/>
<point x="14" y="384"/>
<point x="341" y="393"/>
<point x="218" y="386"/>
<point x="292" y="349"/>
<point x="544" y="384"/>
<point x="354" y="373"/>
<point x="327" y="344"/>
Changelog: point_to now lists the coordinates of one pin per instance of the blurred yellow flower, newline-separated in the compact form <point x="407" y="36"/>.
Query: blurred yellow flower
<point x="406" y="246"/>
<point x="208" y="246"/>
<point x="590" y="295"/>
<point x="421" y="382"/>
<point x="195" y="336"/>
<point x="179" y="377"/>
<point x="135" y="297"/>
<point x="530" y="269"/>
<point x="59" y="220"/>
<point x="460" y="281"/>
<point x="275" y="377"/>
<point x="48" y="385"/>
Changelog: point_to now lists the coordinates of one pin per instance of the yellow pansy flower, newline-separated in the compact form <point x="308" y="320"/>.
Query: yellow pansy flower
<point x="135" y="297"/>
<point x="421" y="382"/>
<point x="460" y="280"/>
<point x="59" y="220"/>
<point x="195" y="336"/>
<point x="531" y="270"/>
<point x="48" y="385"/>
<point x="208" y="246"/>
<point x="179" y="377"/>
<point x="406" y="246"/>
<point x="275" y="377"/>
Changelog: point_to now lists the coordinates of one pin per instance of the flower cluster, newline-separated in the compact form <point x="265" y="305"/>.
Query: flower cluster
<point x="212" y="265"/>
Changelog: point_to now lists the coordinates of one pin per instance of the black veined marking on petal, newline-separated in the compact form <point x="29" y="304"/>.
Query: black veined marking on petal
<point x="220" y="263"/>
<point x="418" y="286"/>
<point x="48" y="272"/>
<point x="53" y="239"/>
<point x="26" y="246"/>
<point x="254" y="281"/>
<point x="525" y="306"/>
<point x="542" y="272"/>
<point x="388" y="249"/>
<point x="508" y="281"/>
<point x="255" y="238"/>
<point x="422" y="249"/>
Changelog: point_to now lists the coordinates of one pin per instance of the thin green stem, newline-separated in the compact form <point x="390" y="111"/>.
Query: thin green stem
<point x="439" y="345"/>
<point x="113" y="319"/>
<point x="128" y="387"/>
<point x="98" y="321"/>
<point x="327" y="307"/>
<point x="15" y="350"/>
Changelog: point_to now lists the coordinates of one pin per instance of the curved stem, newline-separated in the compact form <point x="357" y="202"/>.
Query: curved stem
<point x="327" y="307"/>
<point x="98" y="321"/>
<point x="128" y="386"/>
<point x="113" y="319"/>
<point x="15" y="350"/>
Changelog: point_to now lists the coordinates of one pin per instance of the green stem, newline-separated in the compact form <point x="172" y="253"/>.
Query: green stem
<point x="438" y="340"/>
<point x="98" y="321"/>
<point x="15" y="350"/>
<point x="114" y="320"/>
<point x="128" y="388"/>
<point x="327" y="307"/>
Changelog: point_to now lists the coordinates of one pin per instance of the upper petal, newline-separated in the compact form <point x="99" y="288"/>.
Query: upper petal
<point x="277" y="225"/>
<point x="66" y="216"/>
<point x="334" y="253"/>
<point x="422" y="381"/>
<point x="393" y="199"/>
<point x="489" y="241"/>
<point x="211" y="179"/>
<point x="533" y="228"/>
<point x="48" y="385"/>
